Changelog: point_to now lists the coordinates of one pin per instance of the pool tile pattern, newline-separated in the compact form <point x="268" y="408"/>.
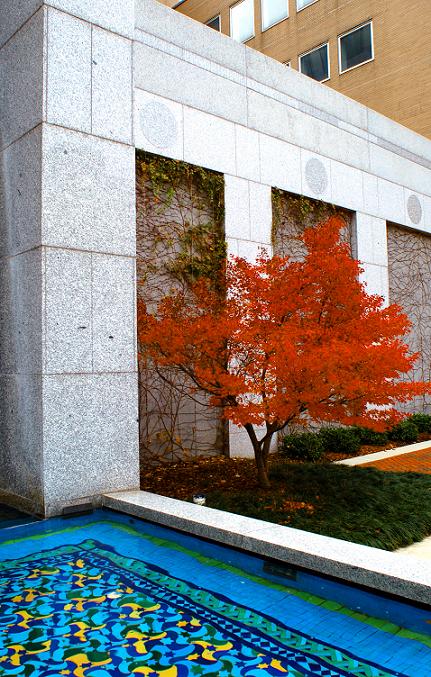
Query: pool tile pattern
<point x="73" y="605"/>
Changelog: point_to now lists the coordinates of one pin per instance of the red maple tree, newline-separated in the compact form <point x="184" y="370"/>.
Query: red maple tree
<point x="289" y="342"/>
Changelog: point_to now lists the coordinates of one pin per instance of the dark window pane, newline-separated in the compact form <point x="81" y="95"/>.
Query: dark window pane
<point x="315" y="64"/>
<point x="214" y="23"/>
<point x="356" y="47"/>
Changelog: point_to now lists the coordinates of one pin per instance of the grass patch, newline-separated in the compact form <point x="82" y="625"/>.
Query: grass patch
<point x="363" y="505"/>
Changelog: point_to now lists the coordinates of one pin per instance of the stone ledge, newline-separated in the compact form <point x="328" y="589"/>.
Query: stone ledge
<point x="383" y="571"/>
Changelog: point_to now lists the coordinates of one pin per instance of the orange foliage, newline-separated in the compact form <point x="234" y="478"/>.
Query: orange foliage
<point x="290" y="342"/>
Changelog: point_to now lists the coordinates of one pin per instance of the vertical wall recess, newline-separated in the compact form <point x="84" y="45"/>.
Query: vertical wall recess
<point x="292" y="214"/>
<point x="409" y="255"/>
<point x="180" y="238"/>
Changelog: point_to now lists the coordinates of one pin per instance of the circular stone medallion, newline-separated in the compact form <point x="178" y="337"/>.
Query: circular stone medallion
<point x="316" y="176"/>
<point x="414" y="209"/>
<point x="158" y="124"/>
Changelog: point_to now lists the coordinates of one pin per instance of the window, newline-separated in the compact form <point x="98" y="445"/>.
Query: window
<point x="301" y="4"/>
<point x="356" y="47"/>
<point x="215" y="23"/>
<point x="274" y="11"/>
<point x="315" y="63"/>
<point x="242" y="20"/>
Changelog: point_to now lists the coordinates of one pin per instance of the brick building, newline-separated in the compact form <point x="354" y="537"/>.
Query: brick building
<point x="374" y="51"/>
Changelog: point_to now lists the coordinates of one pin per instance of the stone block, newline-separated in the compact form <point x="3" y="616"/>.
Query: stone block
<point x="269" y="116"/>
<point x="158" y="125"/>
<point x="271" y="73"/>
<point x="177" y="29"/>
<point x="347" y="186"/>
<point x="22" y="78"/>
<point x="21" y="318"/>
<point x="320" y="98"/>
<point x="371" y="193"/>
<point x="426" y="225"/>
<point x="68" y="330"/>
<point x="232" y="246"/>
<point x="371" y="238"/>
<point x="376" y="280"/>
<point x="68" y="101"/>
<point x="316" y="176"/>
<point x="394" y="167"/>
<point x="260" y="213"/>
<point x="89" y="193"/>
<point x="247" y="153"/>
<point x="237" y="207"/>
<point x="90" y="436"/>
<point x="21" y="462"/>
<point x="209" y="141"/>
<point x="239" y="442"/>
<point x="280" y="164"/>
<point x="250" y="250"/>
<point x="20" y="206"/>
<point x="285" y="122"/>
<point x="14" y="15"/>
<point x="118" y="17"/>
<point x="391" y="202"/>
<point x="206" y="91"/>
<point x="383" y="127"/>
<point x="113" y="313"/>
<point x="111" y="86"/>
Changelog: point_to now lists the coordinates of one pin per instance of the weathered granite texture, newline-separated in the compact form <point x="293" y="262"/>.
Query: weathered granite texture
<point x="68" y="411"/>
<point x="383" y="571"/>
<point x="82" y="82"/>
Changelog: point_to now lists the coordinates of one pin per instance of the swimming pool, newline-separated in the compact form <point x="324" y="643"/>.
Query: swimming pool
<point x="106" y="594"/>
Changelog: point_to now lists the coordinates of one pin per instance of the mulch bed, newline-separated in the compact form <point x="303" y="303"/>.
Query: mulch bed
<point x="204" y="474"/>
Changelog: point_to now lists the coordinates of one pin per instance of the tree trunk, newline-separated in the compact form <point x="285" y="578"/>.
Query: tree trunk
<point x="261" y="456"/>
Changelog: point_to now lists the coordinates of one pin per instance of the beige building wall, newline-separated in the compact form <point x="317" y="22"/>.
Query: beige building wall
<point x="397" y="83"/>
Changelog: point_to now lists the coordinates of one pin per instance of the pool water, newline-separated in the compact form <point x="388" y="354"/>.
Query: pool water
<point x="106" y="595"/>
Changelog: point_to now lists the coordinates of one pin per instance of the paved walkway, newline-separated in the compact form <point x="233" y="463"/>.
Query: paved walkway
<point x="415" y="461"/>
<point x="421" y="550"/>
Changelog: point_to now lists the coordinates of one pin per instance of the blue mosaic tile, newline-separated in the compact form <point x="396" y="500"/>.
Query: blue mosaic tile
<point x="106" y="598"/>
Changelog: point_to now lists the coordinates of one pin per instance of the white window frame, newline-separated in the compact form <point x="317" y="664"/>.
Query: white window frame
<point x="300" y="9"/>
<point x="275" y="22"/>
<point x="216" y="16"/>
<point x="230" y="23"/>
<point x="324" y="44"/>
<point x="352" y="30"/>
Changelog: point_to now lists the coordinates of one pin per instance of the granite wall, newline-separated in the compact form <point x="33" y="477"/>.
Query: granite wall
<point x="82" y="84"/>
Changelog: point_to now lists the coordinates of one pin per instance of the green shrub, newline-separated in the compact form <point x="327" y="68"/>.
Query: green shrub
<point x="368" y="436"/>
<point x="304" y="446"/>
<point x="405" y="431"/>
<point x="422" y="422"/>
<point x="340" y="440"/>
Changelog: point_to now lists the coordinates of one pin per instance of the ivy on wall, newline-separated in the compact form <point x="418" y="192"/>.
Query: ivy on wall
<point x="291" y="214"/>
<point x="180" y="238"/>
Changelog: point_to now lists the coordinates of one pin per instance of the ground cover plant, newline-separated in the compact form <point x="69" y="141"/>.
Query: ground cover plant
<point x="363" y="505"/>
<point x="287" y="342"/>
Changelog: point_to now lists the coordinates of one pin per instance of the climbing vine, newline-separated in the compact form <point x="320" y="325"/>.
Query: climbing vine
<point x="293" y="213"/>
<point x="180" y="238"/>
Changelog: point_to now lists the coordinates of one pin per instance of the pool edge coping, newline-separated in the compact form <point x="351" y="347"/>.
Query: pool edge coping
<point x="383" y="571"/>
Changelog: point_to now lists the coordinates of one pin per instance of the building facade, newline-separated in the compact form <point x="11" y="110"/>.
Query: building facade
<point x="82" y="90"/>
<point x="374" y="51"/>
